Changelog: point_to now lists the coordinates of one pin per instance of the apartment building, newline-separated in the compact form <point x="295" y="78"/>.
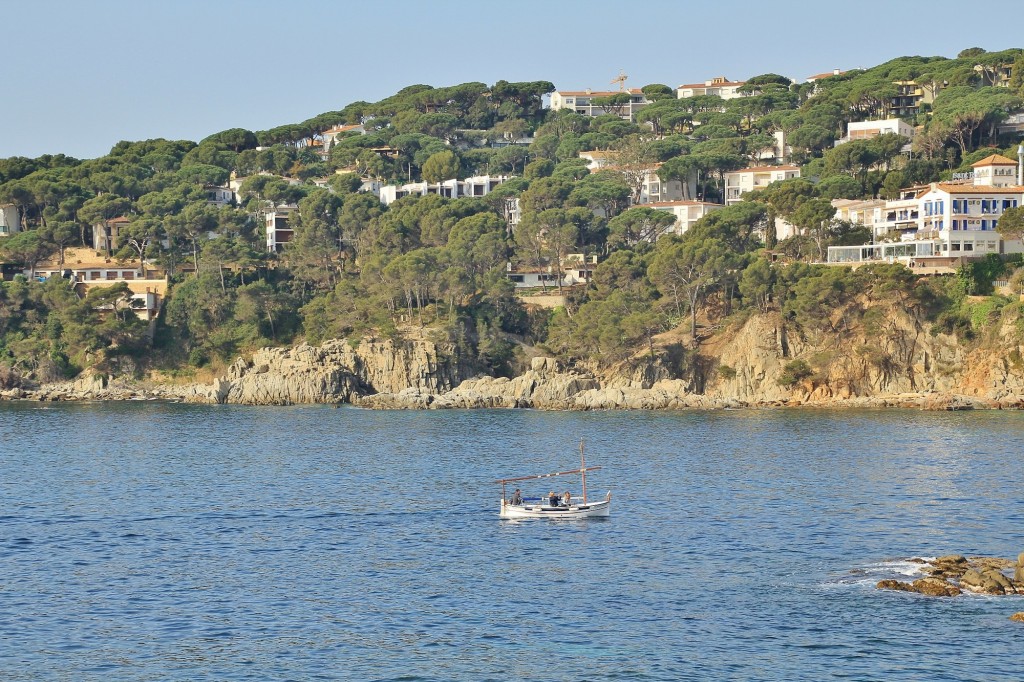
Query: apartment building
<point x="594" y="103"/>
<point x="686" y="213"/>
<point x="720" y="86"/>
<point x="738" y="183"/>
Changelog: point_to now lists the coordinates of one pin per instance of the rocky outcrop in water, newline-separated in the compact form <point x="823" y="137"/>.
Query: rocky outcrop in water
<point x="954" y="574"/>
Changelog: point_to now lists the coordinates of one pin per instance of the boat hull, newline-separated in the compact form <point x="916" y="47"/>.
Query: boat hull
<point x="540" y="511"/>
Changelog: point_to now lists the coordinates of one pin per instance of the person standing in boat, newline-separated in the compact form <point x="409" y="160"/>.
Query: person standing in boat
<point x="517" y="497"/>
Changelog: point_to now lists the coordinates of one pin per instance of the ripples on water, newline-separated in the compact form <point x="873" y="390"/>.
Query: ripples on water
<point x="151" y="541"/>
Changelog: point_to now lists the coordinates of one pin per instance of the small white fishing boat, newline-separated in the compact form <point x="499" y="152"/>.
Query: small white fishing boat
<point x="554" y="506"/>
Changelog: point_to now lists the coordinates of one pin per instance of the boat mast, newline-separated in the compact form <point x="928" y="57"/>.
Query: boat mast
<point x="583" y="471"/>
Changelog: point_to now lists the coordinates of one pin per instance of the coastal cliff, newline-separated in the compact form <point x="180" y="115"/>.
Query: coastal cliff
<point x="896" y="362"/>
<point x="759" y="361"/>
<point x="335" y="372"/>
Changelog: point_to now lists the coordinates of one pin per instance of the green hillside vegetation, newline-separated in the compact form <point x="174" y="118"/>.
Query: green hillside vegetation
<point x="356" y="267"/>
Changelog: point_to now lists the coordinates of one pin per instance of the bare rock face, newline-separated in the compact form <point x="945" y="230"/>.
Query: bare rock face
<point x="1018" y="617"/>
<point x="904" y="366"/>
<point x="335" y="372"/>
<point x="540" y="388"/>
<point x="758" y="355"/>
<point x="90" y="383"/>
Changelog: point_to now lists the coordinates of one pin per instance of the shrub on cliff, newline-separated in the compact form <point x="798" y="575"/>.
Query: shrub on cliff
<point x="794" y="372"/>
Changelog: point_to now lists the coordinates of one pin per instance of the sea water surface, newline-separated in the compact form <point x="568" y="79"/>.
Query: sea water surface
<point x="148" y="541"/>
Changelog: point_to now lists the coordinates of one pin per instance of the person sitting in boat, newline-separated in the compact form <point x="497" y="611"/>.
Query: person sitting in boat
<point x="552" y="499"/>
<point x="566" y="499"/>
<point x="517" y="497"/>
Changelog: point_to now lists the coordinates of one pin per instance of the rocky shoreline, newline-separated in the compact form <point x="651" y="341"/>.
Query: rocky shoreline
<point x="307" y="375"/>
<point x="746" y="368"/>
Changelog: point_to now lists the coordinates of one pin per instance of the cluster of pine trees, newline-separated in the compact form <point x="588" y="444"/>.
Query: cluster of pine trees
<point x="356" y="267"/>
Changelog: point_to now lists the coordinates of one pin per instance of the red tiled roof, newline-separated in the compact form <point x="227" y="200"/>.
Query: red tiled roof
<point x="994" y="160"/>
<point x="827" y="74"/>
<point x="975" y="189"/>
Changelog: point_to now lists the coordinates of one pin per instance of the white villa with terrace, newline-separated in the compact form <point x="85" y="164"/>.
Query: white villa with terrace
<point x="865" y="130"/>
<point x="686" y="212"/>
<point x="582" y="102"/>
<point x="738" y="183"/>
<point x="476" y="186"/>
<point x="954" y="220"/>
<point x="720" y="86"/>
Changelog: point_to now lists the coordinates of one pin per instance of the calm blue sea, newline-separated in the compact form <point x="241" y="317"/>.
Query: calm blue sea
<point x="146" y="541"/>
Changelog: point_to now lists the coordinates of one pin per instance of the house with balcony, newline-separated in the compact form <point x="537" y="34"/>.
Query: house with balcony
<point x="147" y="295"/>
<point x="686" y="213"/>
<point x="218" y="196"/>
<point x="330" y="137"/>
<point x="866" y="130"/>
<point x="910" y="96"/>
<point x="719" y="86"/>
<point x="106" y="235"/>
<point x="10" y="220"/>
<point x="655" y="190"/>
<point x="652" y="187"/>
<point x="583" y="102"/>
<point x="867" y="212"/>
<point x="738" y="183"/>
<point x="955" y="221"/>
<point x="476" y="186"/>
<point x="278" y="226"/>
<point x="577" y="269"/>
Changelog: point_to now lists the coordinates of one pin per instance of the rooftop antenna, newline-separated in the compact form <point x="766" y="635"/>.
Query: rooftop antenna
<point x="621" y="80"/>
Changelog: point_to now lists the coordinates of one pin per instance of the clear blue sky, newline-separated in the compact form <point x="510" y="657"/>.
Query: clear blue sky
<point x="77" y="76"/>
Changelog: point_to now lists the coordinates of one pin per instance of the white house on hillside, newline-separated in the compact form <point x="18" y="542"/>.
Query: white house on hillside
<point x="720" y="85"/>
<point x="219" y="196"/>
<point x="10" y="220"/>
<point x="738" y="183"/>
<point x="865" y="130"/>
<point x="278" y="227"/>
<point x="476" y="186"/>
<point x="582" y="102"/>
<point x="954" y="219"/>
<point x="686" y="212"/>
<point x="576" y="269"/>
<point x="330" y="137"/>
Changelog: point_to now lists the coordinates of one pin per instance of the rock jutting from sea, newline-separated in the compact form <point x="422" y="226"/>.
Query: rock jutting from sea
<point x="954" y="574"/>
